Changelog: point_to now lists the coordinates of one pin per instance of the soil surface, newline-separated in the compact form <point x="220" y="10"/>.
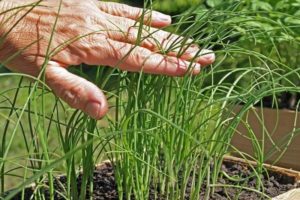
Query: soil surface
<point x="274" y="184"/>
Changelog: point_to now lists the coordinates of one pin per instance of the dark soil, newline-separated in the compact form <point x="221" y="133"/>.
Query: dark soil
<point x="285" y="100"/>
<point x="274" y="184"/>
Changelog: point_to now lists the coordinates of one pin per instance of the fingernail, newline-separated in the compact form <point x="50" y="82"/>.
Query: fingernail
<point x="195" y="46"/>
<point x="208" y="55"/>
<point x="182" y="65"/>
<point x="163" y="17"/>
<point x="191" y="50"/>
<point x="197" y="68"/>
<point x="93" y="109"/>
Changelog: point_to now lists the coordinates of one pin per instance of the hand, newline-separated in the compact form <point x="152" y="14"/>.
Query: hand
<point x="95" y="33"/>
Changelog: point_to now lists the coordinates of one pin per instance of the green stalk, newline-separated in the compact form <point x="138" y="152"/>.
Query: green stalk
<point x="3" y="144"/>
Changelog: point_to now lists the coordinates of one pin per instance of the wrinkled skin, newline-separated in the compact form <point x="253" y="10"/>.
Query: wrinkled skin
<point x="97" y="33"/>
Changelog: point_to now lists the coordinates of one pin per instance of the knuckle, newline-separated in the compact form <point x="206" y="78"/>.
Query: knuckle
<point x="93" y="19"/>
<point x="139" y="57"/>
<point x="119" y="51"/>
<point x="126" y="10"/>
<point x="70" y="29"/>
<point x="132" y="34"/>
<point x="79" y="17"/>
<point x="72" y="95"/>
<point x="90" y="42"/>
<point x="89" y="39"/>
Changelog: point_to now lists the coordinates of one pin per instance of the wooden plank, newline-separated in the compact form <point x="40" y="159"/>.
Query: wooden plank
<point x="287" y="172"/>
<point x="281" y="125"/>
<point x="290" y="195"/>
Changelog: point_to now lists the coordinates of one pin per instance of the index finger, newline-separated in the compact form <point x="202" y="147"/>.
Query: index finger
<point x="152" y="18"/>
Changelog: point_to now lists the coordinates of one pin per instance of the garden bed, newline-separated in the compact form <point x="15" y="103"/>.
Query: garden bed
<point x="276" y="181"/>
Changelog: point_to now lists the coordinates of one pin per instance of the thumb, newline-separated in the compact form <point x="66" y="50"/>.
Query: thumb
<point x="76" y="91"/>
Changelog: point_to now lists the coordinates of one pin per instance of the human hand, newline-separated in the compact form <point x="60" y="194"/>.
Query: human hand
<point x="94" y="33"/>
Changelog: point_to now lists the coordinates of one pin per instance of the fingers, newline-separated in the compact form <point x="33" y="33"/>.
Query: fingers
<point x="170" y="44"/>
<point x="126" y="30"/>
<point x="152" y="18"/>
<point x="204" y="57"/>
<point x="156" y="40"/>
<point x="76" y="91"/>
<point x="134" y="58"/>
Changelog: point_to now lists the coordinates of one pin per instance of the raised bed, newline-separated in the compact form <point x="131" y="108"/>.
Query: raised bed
<point x="282" y="146"/>
<point x="280" y="183"/>
<point x="286" y="175"/>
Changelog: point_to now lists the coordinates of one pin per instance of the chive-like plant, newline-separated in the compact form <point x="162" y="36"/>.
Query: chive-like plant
<point x="166" y="136"/>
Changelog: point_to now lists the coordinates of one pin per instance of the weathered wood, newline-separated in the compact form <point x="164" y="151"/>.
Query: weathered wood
<point x="290" y="195"/>
<point x="281" y="125"/>
<point x="287" y="172"/>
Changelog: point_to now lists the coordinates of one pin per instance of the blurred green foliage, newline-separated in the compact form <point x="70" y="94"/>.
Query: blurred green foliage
<point x="166" y="6"/>
<point x="176" y="6"/>
<point x="270" y="27"/>
<point x="276" y="26"/>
